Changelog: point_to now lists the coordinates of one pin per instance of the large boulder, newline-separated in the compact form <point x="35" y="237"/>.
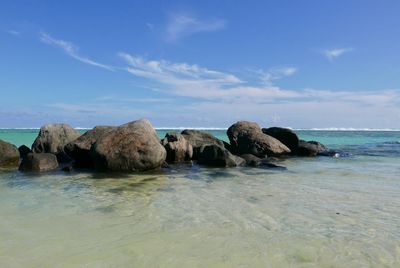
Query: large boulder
<point x="79" y="149"/>
<point x="198" y="139"/>
<point x="53" y="137"/>
<point x="310" y="148"/>
<point x="177" y="147"/>
<point x="247" y="138"/>
<point x="131" y="147"/>
<point x="284" y="135"/>
<point x="217" y="156"/>
<point x="40" y="162"/>
<point x="9" y="155"/>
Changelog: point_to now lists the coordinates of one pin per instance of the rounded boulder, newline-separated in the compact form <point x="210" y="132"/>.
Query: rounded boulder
<point x="247" y="138"/>
<point x="130" y="147"/>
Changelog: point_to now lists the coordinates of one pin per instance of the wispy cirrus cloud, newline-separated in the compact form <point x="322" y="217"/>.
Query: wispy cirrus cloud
<point x="71" y="50"/>
<point x="182" y="79"/>
<point x="218" y="98"/>
<point x="181" y="25"/>
<point x="269" y="76"/>
<point x="187" y="80"/>
<point x="332" y="54"/>
<point x="14" y="32"/>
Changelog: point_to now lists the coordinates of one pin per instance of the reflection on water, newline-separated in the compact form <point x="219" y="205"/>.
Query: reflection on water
<point x="322" y="212"/>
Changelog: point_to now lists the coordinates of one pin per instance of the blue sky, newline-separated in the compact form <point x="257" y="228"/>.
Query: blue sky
<point x="300" y="64"/>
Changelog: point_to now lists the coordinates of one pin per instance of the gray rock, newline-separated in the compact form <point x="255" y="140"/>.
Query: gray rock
<point x="40" y="162"/>
<point x="247" y="138"/>
<point x="217" y="156"/>
<point x="9" y="155"/>
<point x="131" y="147"/>
<point x="254" y="161"/>
<point x="198" y="139"/>
<point x="284" y="135"/>
<point x="53" y="137"/>
<point x="310" y="148"/>
<point x="24" y="151"/>
<point x="177" y="147"/>
<point x="79" y="149"/>
<point x="251" y="160"/>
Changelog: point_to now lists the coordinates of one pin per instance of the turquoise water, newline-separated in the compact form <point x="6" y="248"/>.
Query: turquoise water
<point x="330" y="138"/>
<point x="321" y="212"/>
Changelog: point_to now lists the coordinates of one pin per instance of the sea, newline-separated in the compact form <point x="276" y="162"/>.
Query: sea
<point x="320" y="212"/>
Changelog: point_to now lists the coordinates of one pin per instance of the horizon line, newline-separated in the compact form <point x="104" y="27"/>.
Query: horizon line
<point x="225" y="128"/>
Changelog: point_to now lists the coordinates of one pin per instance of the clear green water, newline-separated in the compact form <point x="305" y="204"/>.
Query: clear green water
<point x="321" y="212"/>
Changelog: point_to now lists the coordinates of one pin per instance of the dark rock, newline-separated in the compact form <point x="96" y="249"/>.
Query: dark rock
<point x="310" y="148"/>
<point x="200" y="138"/>
<point x="53" y="137"/>
<point x="9" y="155"/>
<point x="251" y="160"/>
<point x="177" y="147"/>
<point x="24" y="151"/>
<point x="39" y="162"/>
<point x="284" y="135"/>
<point x="131" y="147"/>
<point x="227" y="146"/>
<point x="68" y="168"/>
<point x="254" y="161"/>
<point x="79" y="149"/>
<point x="217" y="156"/>
<point x="247" y="138"/>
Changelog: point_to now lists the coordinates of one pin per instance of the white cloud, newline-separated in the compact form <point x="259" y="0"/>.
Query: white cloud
<point x="187" y="80"/>
<point x="181" y="25"/>
<point x="268" y="77"/>
<point x="13" y="32"/>
<point x="334" y="53"/>
<point x="225" y="97"/>
<point x="71" y="50"/>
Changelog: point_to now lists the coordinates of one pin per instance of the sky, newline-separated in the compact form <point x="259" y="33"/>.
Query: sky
<point x="299" y="64"/>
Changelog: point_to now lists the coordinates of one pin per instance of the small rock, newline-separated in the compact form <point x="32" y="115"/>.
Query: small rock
<point x="217" y="156"/>
<point x="198" y="139"/>
<point x="310" y="148"/>
<point x="177" y="147"/>
<point x="40" y="162"/>
<point x="284" y="135"/>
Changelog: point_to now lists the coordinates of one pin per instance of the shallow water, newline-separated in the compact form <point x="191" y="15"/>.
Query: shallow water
<point x="321" y="212"/>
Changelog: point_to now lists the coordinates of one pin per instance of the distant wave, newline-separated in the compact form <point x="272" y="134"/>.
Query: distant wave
<point x="349" y="129"/>
<point x="197" y="128"/>
<point x="225" y="128"/>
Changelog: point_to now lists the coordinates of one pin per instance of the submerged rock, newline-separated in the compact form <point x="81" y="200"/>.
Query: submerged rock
<point x="9" y="155"/>
<point x="254" y="161"/>
<point x="310" y="148"/>
<point x="200" y="138"/>
<point x="284" y="135"/>
<point x="79" y="149"/>
<point x="217" y="156"/>
<point x="177" y="147"/>
<point x="53" y="137"/>
<point x="39" y="162"/>
<point x="131" y="147"/>
<point x="247" y="138"/>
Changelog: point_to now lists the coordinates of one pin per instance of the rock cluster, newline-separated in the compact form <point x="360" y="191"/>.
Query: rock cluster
<point x="135" y="146"/>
